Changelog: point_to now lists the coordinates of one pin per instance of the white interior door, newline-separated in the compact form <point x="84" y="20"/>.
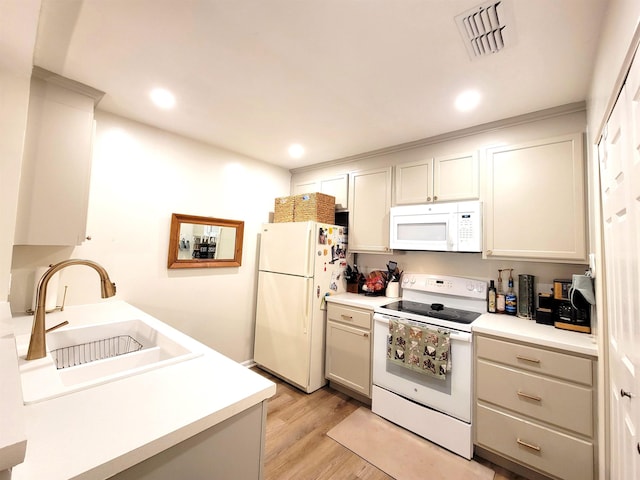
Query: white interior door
<point x="620" y="190"/>
<point x="283" y="330"/>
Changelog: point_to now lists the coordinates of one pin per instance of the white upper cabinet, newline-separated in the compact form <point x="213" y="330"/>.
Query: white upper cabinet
<point x="56" y="167"/>
<point x="336" y="186"/>
<point x="535" y="200"/>
<point x="369" y="203"/>
<point x="440" y="179"/>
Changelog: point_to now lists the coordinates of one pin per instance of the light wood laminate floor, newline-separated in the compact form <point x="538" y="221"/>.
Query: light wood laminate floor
<point x="297" y="446"/>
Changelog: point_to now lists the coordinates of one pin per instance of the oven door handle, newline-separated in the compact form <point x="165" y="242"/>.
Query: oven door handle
<point x="453" y="335"/>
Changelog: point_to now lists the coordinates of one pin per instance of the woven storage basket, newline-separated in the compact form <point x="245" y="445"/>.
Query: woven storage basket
<point x="283" y="211"/>
<point x="316" y="207"/>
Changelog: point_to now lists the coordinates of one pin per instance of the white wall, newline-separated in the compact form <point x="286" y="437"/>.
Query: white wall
<point x="140" y="175"/>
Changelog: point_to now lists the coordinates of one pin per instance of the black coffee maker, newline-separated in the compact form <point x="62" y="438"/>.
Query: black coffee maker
<point x="570" y="313"/>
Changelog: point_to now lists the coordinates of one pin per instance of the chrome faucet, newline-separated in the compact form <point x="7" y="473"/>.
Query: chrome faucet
<point x="37" y="343"/>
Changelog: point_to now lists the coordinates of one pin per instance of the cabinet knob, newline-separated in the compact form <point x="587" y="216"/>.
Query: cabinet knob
<point x="625" y="394"/>
<point x="428" y="199"/>
<point x="88" y="237"/>
<point x="435" y="197"/>
<point x="366" y="335"/>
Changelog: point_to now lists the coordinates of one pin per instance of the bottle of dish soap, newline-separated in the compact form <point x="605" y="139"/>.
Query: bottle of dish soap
<point x="500" y="300"/>
<point x="491" y="302"/>
<point x="511" y="301"/>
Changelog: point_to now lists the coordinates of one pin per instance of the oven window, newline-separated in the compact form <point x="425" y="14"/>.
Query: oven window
<point x="413" y="232"/>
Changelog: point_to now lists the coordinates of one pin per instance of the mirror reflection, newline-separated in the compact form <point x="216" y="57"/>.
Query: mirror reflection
<point x="204" y="242"/>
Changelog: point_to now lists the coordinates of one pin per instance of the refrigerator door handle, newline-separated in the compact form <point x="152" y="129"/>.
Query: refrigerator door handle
<point x="310" y="252"/>
<point x="308" y="298"/>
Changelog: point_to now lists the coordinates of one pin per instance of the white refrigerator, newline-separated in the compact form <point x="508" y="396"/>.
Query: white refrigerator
<point x="300" y="263"/>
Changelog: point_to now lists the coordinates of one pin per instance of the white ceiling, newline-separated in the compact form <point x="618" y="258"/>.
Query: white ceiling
<point x="341" y="77"/>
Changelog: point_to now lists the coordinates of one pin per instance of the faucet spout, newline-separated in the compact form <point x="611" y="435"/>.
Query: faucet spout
<point x="37" y="342"/>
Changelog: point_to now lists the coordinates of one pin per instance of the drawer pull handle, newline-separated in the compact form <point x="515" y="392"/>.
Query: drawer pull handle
<point x="527" y="359"/>
<point x="347" y="317"/>
<point x="365" y="335"/>
<point x="528" y="445"/>
<point x="530" y="397"/>
<point x="625" y="394"/>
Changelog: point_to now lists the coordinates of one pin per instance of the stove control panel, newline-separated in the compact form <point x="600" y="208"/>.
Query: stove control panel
<point x="460" y="286"/>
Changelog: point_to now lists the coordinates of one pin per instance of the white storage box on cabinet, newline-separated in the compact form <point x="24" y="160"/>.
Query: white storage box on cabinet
<point x="348" y="350"/>
<point x="536" y="406"/>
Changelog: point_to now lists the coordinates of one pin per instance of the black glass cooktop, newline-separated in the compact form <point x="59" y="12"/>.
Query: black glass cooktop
<point x="435" y="310"/>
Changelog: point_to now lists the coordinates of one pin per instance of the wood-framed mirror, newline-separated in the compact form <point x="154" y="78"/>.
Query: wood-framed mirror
<point x="204" y="242"/>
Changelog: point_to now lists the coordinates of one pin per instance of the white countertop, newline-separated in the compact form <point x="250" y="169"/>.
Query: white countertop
<point x="360" y="300"/>
<point x="523" y="330"/>
<point x="98" y="432"/>
<point x="13" y="439"/>
<point x="505" y="326"/>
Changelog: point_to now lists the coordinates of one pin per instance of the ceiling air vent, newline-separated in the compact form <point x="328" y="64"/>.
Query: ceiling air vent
<point x="483" y="29"/>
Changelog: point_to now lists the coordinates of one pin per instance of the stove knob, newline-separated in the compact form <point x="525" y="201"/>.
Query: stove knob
<point x="437" y="306"/>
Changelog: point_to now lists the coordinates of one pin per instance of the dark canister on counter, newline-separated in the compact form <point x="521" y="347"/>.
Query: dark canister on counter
<point x="526" y="304"/>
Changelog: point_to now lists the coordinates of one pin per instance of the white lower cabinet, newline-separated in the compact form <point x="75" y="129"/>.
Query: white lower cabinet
<point x="349" y="345"/>
<point x="536" y="407"/>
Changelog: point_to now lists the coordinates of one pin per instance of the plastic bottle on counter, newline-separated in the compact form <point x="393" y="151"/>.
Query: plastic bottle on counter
<point x="500" y="301"/>
<point x="511" y="300"/>
<point x="491" y="302"/>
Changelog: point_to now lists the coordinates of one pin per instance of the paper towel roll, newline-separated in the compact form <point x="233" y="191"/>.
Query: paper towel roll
<point x="52" y="289"/>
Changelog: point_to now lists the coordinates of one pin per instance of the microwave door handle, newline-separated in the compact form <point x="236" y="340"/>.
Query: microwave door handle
<point x="451" y="233"/>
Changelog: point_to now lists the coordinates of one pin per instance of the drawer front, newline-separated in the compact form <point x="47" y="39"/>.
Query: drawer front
<point x="561" y="365"/>
<point x="552" y="401"/>
<point x="529" y="444"/>
<point x="349" y="316"/>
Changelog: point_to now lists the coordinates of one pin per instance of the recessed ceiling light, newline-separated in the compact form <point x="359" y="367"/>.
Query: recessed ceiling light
<point x="163" y="98"/>
<point x="467" y="100"/>
<point x="296" y="151"/>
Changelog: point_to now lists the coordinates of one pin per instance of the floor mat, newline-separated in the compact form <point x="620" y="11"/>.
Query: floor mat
<point x="400" y="453"/>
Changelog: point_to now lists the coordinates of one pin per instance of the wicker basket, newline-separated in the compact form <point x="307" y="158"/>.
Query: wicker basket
<point x="316" y="207"/>
<point x="283" y="210"/>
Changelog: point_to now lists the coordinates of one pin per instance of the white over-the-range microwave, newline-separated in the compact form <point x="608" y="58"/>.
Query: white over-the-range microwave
<point x="440" y="227"/>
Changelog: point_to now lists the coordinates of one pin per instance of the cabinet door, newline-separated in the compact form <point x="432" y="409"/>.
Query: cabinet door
<point x="456" y="177"/>
<point x="369" y="203"/>
<point x="336" y="186"/>
<point x="54" y="185"/>
<point x="348" y="358"/>
<point x="535" y="200"/>
<point x="414" y="182"/>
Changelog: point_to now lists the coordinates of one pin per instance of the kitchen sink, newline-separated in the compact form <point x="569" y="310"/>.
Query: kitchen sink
<point x="90" y="355"/>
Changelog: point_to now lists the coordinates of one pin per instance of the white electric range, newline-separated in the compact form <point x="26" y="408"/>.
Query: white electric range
<point x="434" y="408"/>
